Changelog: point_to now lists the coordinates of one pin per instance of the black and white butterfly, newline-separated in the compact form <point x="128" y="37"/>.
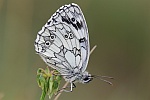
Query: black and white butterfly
<point x="63" y="43"/>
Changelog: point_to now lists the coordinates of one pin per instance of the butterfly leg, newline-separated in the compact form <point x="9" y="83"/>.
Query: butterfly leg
<point x="72" y="85"/>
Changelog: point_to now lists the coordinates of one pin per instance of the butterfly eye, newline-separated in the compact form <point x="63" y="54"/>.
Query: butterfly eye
<point x="87" y="79"/>
<point x="52" y="37"/>
<point x="72" y="19"/>
<point x="47" y="43"/>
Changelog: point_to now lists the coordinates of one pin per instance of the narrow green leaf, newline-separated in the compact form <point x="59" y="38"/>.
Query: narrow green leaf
<point x="48" y="81"/>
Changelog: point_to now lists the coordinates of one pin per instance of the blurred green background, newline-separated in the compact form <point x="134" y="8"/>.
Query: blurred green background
<point x="120" y="29"/>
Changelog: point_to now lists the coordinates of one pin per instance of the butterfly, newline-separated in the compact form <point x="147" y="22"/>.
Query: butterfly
<point x="63" y="44"/>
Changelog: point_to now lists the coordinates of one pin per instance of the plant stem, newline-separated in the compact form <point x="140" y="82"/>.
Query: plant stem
<point x="65" y="85"/>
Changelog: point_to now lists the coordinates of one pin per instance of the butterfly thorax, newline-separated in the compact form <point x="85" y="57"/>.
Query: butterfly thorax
<point x="78" y="76"/>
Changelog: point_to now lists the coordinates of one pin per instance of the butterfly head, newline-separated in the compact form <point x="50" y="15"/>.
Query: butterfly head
<point x="86" y="77"/>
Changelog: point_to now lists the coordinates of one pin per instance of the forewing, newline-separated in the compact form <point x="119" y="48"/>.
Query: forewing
<point x="63" y="42"/>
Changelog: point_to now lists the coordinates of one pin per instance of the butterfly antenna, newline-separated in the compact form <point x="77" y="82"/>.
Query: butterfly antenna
<point x="102" y="78"/>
